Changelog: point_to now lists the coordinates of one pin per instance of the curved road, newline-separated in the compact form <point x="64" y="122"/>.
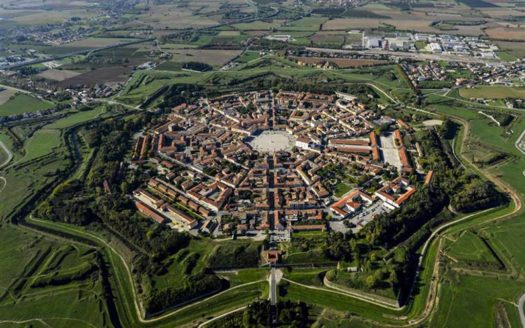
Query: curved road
<point x="521" y="304"/>
<point x="9" y="155"/>
<point x="3" y="181"/>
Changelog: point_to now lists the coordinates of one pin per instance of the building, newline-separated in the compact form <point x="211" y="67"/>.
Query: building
<point x="396" y="192"/>
<point x="350" y="204"/>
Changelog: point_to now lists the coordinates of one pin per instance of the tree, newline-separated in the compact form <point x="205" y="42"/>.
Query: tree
<point x="371" y="281"/>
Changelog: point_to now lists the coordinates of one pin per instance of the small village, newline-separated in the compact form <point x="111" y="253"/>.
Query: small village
<point x="246" y="164"/>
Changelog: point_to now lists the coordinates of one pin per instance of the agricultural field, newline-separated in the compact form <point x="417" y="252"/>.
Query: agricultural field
<point x="259" y="25"/>
<point x="20" y="103"/>
<point x="58" y="74"/>
<point x="506" y="33"/>
<point x="104" y="74"/>
<point x="458" y="20"/>
<point x="307" y="24"/>
<point x="39" y="16"/>
<point x="97" y="42"/>
<point x="210" y="57"/>
<point x="328" y="39"/>
<point x="5" y="95"/>
<point x="162" y="17"/>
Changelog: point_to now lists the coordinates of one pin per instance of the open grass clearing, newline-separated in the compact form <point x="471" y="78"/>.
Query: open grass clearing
<point x="337" y="301"/>
<point x="508" y="237"/>
<point x="210" y="57"/>
<point x="43" y="142"/>
<point x="22" y="103"/>
<point x="493" y="92"/>
<point x="307" y="24"/>
<point x="471" y="248"/>
<point x="84" y="308"/>
<point x="462" y="294"/>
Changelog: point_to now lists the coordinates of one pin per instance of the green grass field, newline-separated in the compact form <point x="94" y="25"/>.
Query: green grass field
<point x="493" y="92"/>
<point x="258" y="25"/>
<point x="470" y="247"/>
<point x="3" y="156"/>
<point x="22" y="103"/>
<point x="26" y="257"/>
<point x="346" y="304"/>
<point x="312" y="23"/>
<point x="477" y="296"/>
<point x="43" y="142"/>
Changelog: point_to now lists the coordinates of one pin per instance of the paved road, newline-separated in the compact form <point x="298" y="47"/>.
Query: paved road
<point x="273" y="287"/>
<point x="521" y="304"/>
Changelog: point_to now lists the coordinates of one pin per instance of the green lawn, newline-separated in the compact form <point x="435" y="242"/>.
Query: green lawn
<point x="43" y="142"/>
<point x="76" y="118"/>
<point x="312" y="23"/>
<point x="470" y="247"/>
<point x="477" y="296"/>
<point x="507" y="237"/>
<point x="493" y="92"/>
<point x="337" y="302"/>
<point x="22" y="103"/>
